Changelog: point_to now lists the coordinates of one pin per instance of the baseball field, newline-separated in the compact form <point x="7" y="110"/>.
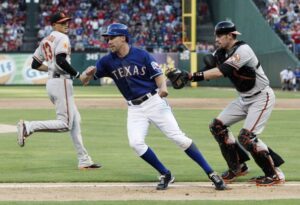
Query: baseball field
<point x="45" y="170"/>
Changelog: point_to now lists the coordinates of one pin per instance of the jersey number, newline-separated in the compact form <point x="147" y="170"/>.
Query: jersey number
<point x="47" y="51"/>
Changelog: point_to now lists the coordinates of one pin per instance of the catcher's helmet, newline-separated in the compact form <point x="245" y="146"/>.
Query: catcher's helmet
<point x="225" y="27"/>
<point x="116" y="29"/>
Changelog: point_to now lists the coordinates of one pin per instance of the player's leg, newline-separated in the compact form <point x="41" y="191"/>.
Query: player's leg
<point x="84" y="160"/>
<point x="162" y="116"/>
<point x="56" y="89"/>
<point x="137" y="128"/>
<point x="258" y="114"/>
<point x="234" y="155"/>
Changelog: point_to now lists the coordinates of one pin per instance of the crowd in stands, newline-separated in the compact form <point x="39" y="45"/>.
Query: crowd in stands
<point x="284" y="17"/>
<point x="155" y="25"/>
<point x="12" y="24"/>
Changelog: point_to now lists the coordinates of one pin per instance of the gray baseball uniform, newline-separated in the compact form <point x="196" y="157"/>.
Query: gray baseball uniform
<point x="254" y="105"/>
<point x="60" y="91"/>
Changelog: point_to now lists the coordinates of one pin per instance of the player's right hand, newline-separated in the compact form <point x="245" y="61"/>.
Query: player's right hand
<point x="87" y="75"/>
<point x="90" y="71"/>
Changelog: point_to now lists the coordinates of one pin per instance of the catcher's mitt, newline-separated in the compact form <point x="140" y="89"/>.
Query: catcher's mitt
<point x="178" y="78"/>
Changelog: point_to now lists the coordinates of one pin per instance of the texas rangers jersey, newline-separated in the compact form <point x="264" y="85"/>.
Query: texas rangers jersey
<point x="133" y="74"/>
<point x="51" y="46"/>
<point x="244" y="58"/>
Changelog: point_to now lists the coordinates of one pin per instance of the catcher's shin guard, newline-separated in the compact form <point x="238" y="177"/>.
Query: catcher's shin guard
<point x="260" y="154"/>
<point x="265" y="162"/>
<point x="243" y="155"/>
<point x="233" y="154"/>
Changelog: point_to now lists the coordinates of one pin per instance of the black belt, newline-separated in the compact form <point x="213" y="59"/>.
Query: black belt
<point x="57" y="75"/>
<point x="252" y="95"/>
<point x="141" y="99"/>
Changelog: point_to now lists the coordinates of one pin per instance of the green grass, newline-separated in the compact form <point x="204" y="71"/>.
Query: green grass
<point x="50" y="157"/>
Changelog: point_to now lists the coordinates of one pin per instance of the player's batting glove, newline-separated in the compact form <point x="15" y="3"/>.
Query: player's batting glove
<point x="178" y="78"/>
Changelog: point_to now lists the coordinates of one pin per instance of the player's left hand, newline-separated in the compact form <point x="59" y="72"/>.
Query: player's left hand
<point x="163" y="93"/>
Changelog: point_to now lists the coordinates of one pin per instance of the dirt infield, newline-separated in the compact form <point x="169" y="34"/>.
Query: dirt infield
<point x="143" y="191"/>
<point x="196" y="103"/>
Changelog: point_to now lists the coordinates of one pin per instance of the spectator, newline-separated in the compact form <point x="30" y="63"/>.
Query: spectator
<point x="297" y="78"/>
<point x="291" y="79"/>
<point x="284" y="17"/>
<point x="92" y="16"/>
<point x="284" y="78"/>
<point x="12" y="22"/>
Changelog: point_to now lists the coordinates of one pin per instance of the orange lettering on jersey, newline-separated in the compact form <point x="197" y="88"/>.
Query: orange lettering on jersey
<point x="234" y="59"/>
<point x="65" y="45"/>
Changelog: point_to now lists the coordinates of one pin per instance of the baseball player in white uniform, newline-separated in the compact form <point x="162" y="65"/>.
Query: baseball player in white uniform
<point x="141" y="82"/>
<point x="55" y="50"/>
<point x="237" y="61"/>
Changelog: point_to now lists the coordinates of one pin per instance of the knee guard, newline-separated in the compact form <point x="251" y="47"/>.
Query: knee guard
<point x="246" y="139"/>
<point x="220" y="132"/>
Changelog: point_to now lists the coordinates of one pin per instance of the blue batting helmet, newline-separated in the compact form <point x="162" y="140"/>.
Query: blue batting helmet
<point x="116" y="29"/>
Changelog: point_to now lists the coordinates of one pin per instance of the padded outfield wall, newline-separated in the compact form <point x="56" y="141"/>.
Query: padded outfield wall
<point x="15" y="67"/>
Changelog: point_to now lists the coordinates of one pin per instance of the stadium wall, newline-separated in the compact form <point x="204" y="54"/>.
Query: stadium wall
<point x="15" y="68"/>
<point x="273" y="54"/>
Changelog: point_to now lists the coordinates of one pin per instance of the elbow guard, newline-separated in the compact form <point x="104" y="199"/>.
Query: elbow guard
<point x="65" y="66"/>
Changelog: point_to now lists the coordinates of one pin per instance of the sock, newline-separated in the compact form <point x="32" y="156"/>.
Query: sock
<point x="151" y="159"/>
<point x="194" y="153"/>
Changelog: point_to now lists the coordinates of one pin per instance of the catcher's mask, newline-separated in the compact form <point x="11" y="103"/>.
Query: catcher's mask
<point x="225" y="27"/>
<point x="117" y="29"/>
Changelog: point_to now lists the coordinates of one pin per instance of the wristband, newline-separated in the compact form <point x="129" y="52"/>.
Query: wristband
<point x="198" y="76"/>
<point x="77" y="75"/>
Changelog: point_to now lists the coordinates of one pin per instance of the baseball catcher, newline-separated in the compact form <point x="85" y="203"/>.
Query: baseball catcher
<point x="235" y="60"/>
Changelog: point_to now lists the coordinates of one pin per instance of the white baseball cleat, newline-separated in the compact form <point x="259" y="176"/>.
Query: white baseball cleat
<point x="21" y="133"/>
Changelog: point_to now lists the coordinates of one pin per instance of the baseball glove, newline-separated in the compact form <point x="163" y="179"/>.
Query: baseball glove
<point x="178" y="78"/>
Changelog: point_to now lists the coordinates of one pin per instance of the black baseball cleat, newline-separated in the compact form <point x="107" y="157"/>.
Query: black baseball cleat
<point x="92" y="166"/>
<point x="218" y="181"/>
<point x="165" y="180"/>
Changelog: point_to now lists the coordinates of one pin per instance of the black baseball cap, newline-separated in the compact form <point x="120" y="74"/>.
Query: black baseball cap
<point x="225" y="27"/>
<point x="59" y="18"/>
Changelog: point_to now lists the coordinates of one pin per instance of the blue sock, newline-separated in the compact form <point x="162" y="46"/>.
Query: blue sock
<point x="194" y="153"/>
<point x="151" y="159"/>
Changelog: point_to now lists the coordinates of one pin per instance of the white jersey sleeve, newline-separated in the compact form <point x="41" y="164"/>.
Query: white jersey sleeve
<point x="52" y="45"/>
<point x="39" y="55"/>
